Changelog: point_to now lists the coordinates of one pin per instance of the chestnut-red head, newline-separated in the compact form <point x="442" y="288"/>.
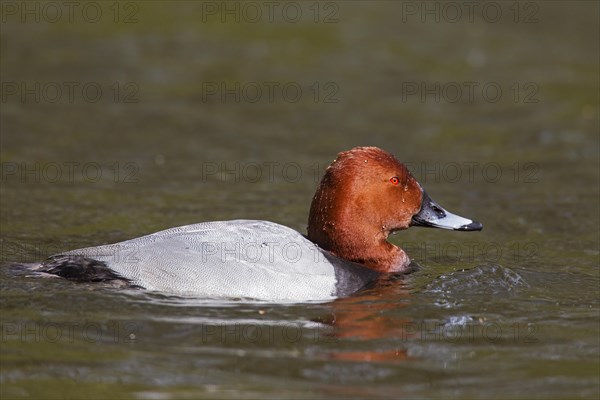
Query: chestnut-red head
<point x="366" y="194"/>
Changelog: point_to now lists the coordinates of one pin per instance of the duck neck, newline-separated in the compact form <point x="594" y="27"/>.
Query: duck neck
<point x="355" y="243"/>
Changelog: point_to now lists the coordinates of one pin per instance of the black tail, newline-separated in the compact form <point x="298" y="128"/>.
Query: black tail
<point x="82" y="269"/>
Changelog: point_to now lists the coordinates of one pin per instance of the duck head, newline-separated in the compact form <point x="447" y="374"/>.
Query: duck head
<point x="365" y="195"/>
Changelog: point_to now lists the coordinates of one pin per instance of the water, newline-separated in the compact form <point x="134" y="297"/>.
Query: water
<point x="511" y="311"/>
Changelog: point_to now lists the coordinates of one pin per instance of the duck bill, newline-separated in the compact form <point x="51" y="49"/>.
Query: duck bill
<point x="434" y="216"/>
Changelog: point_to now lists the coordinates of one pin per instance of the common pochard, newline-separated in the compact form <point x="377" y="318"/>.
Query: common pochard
<point x="365" y="195"/>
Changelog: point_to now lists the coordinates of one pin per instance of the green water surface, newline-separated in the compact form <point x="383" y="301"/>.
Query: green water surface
<point x="171" y="121"/>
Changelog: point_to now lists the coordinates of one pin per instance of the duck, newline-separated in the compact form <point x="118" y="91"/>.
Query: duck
<point x="365" y="195"/>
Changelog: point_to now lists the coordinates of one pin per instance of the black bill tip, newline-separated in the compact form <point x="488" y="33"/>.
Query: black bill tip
<point x="473" y="226"/>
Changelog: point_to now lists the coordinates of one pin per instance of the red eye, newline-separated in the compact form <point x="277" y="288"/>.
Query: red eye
<point x="394" y="180"/>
